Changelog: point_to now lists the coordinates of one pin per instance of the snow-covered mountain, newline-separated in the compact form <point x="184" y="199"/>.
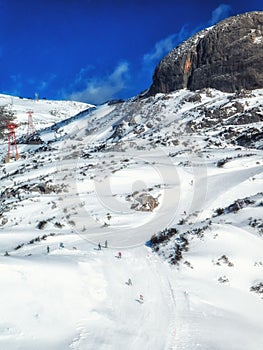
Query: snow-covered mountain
<point x="174" y="183"/>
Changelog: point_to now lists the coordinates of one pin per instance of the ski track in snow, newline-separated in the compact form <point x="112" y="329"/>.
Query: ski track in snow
<point x="124" y="311"/>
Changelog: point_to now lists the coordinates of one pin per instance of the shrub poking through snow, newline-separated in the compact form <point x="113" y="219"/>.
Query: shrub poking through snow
<point x="163" y="244"/>
<point x="237" y="205"/>
<point x="41" y="225"/>
<point x="257" y="288"/>
<point x="223" y="260"/>
<point x="163" y="236"/>
<point x="223" y="279"/>
<point x="219" y="211"/>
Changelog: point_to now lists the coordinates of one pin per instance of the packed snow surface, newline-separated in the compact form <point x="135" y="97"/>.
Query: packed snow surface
<point x="116" y="175"/>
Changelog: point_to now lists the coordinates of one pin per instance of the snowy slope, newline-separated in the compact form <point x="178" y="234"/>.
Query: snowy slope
<point x="174" y="183"/>
<point x="45" y="112"/>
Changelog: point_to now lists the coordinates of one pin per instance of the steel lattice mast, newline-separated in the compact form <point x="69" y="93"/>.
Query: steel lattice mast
<point x="30" y="125"/>
<point x="12" y="146"/>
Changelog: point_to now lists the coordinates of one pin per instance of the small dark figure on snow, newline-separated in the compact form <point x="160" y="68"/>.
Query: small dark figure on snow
<point x="6" y="253"/>
<point x="99" y="246"/>
<point x="106" y="244"/>
<point x="119" y="255"/>
<point x="141" y="297"/>
<point x="129" y="282"/>
<point x="61" y="245"/>
<point x="48" y="249"/>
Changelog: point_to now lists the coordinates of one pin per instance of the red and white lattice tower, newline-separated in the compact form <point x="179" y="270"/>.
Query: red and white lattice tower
<point x="30" y="125"/>
<point x="12" y="146"/>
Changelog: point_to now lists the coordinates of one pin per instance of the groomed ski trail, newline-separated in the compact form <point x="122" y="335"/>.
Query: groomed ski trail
<point x="131" y="324"/>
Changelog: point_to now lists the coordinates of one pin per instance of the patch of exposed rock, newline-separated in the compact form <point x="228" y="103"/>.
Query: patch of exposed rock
<point x="143" y="201"/>
<point x="227" y="57"/>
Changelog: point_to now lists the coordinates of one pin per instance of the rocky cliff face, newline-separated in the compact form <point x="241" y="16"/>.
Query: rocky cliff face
<point x="227" y="57"/>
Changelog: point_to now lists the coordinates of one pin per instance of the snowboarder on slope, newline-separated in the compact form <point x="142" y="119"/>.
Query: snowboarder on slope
<point x="99" y="246"/>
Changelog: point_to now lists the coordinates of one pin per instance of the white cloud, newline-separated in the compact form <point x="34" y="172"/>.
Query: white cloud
<point x="21" y="85"/>
<point x="162" y="47"/>
<point x="82" y="75"/>
<point x="221" y="12"/>
<point x="101" y="89"/>
<point x="16" y="78"/>
<point x="44" y="84"/>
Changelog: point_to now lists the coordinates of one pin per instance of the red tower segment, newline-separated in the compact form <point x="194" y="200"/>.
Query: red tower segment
<point x="30" y="128"/>
<point x="12" y="146"/>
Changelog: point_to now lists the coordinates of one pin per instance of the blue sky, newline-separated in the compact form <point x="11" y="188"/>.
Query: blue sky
<point x="95" y="50"/>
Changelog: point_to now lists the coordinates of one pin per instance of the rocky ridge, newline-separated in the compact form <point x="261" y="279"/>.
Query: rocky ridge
<point x="227" y="57"/>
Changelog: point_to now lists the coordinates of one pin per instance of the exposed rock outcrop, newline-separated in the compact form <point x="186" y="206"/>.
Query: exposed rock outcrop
<point x="227" y="57"/>
<point x="143" y="201"/>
